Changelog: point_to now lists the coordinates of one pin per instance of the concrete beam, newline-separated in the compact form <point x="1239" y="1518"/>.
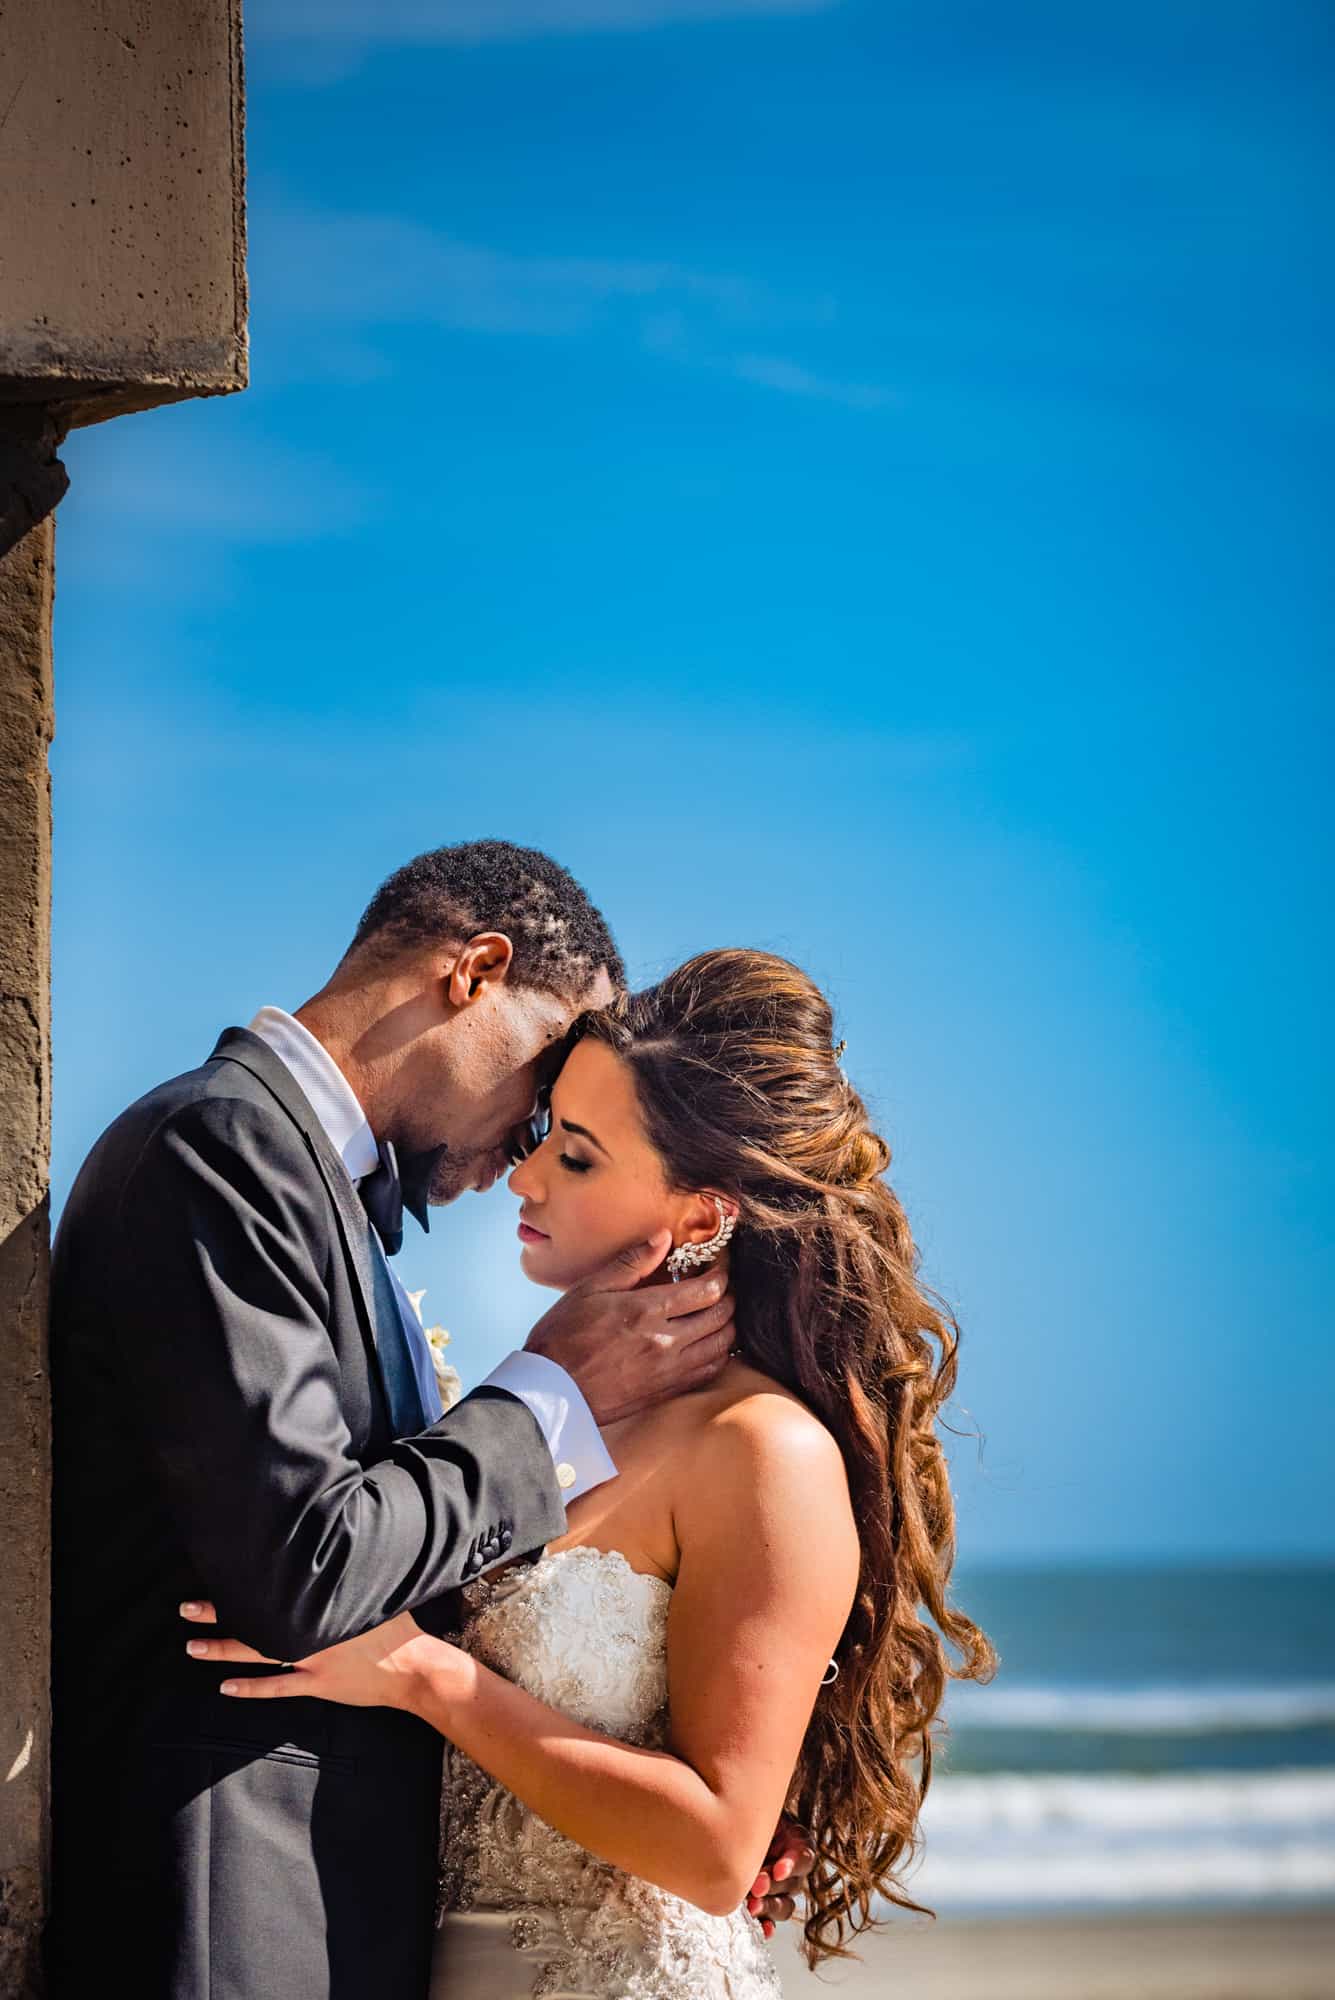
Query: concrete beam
<point x="122" y="229"/>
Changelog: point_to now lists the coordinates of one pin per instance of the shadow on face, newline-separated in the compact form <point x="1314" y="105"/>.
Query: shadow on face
<point x="477" y="1078"/>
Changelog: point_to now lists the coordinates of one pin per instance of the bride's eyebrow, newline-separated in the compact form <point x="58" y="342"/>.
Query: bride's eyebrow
<point x="583" y="1132"/>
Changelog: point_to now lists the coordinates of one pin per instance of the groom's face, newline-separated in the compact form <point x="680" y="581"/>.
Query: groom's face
<point x="475" y="1080"/>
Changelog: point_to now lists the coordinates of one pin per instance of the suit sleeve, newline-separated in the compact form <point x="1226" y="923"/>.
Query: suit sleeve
<point x="223" y="1329"/>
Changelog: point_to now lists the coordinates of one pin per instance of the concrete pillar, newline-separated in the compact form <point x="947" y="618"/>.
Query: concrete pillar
<point x="26" y="581"/>
<point x="122" y="286"/>
<point x="26" y="590"/>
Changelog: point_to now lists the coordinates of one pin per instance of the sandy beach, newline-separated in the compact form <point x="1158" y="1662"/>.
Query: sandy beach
<point x="1232" y="1955"/>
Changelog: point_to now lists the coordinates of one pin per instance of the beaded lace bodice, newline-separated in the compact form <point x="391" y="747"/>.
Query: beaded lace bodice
<point x="586" y="1633"/>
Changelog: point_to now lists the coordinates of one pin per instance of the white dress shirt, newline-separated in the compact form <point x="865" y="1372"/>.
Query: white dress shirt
<point x="581" y="1459"/>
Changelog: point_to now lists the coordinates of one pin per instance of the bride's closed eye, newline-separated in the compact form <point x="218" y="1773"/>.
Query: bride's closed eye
<point x="572" y="1165"/>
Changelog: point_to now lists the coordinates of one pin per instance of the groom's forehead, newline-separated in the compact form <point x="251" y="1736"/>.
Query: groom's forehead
<point x="554" y="1012"/>
<point x="545" y="1019"/>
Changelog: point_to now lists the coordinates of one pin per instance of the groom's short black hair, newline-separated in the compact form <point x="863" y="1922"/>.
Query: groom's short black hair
<point x="453" y="893"/>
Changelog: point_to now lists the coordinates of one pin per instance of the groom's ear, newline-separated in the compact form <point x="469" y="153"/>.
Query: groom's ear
<point x="482" y="964"/>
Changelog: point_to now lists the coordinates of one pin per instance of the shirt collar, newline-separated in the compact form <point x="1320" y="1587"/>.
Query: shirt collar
<point x="324" y="1086"/>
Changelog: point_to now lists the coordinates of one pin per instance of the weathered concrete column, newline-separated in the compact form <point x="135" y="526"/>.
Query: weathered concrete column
<point x="26" y="590"/>
<point x="122" y="286"/>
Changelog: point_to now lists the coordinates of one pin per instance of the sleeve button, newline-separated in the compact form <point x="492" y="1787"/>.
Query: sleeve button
<point x="565" y="1477"/>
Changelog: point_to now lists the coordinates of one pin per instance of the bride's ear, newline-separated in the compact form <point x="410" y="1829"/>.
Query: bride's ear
<point x="699" y="1219"/>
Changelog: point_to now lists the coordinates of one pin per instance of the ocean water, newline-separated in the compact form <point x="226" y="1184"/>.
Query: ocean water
<point x="1154" y="1737"/>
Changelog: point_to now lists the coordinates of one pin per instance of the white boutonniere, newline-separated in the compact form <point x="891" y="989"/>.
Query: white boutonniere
<point x="447" y="1377"/>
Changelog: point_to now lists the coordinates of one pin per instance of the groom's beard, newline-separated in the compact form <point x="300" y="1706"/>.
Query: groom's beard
<point x="438" y="1176"/>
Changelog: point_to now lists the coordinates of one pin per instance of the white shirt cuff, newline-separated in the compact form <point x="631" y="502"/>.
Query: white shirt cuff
<point x="581" y="1458"/>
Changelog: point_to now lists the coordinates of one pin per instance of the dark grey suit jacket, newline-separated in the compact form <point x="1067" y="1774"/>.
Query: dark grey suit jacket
<point x="222" y="1431"/>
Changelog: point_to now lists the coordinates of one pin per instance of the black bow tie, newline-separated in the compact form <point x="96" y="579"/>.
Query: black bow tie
<point x="382" y="1198"/>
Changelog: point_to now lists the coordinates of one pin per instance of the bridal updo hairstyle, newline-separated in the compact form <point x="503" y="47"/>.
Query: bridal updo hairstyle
<point x="740" y="1090"/>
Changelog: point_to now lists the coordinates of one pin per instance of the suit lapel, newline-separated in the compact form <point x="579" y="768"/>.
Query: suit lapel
<point x="238" y="1045"/>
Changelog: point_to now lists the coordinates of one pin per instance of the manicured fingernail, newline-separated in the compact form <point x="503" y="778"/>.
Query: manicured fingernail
<point x="191" y="1610"/>
<point x="197" y="1648"/>
<point x="782" y="1869"/>
<point x="230" y="1687"/>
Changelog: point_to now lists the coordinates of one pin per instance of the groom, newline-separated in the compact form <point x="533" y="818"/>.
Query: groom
<point x="245" y="1410"/>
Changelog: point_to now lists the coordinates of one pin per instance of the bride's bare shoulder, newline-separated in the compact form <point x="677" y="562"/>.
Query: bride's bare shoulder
<point x="762" y="1466"/>
<point x="751" y="1412"/>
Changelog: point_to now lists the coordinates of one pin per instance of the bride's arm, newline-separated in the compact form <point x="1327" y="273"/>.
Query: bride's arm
<point x="769" y="1562"/>
<point x="768" y="1567"/>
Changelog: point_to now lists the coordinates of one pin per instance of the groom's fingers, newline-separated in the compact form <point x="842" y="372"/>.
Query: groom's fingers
<point x="772" y="1897"/>
<point x="708" y="1358"/>
<point x="699" y="1340"/>
<point x="628" y="1267"/>
<point x="629" y="1345"/>
<point x="778" y="1910"/>
<point x="692" y="1340"/>
<point x="701" y="1294"/>
<point x="682" y="1330"/>
<point x="791" y="1856"/>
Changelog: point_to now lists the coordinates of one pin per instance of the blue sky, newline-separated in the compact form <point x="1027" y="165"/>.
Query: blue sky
<point x="847" y="478"/>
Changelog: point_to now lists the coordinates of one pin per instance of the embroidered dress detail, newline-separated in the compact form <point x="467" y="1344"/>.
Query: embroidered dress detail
<point x="584" y="1632"/>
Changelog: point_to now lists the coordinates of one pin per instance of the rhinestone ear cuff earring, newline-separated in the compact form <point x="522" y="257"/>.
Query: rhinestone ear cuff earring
<point x="688" y="1255"/>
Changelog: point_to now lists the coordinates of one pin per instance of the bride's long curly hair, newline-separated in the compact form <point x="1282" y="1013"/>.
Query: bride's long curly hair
<point x="741" y="1091"/>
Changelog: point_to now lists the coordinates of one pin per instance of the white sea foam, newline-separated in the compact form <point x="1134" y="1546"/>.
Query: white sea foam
<point x="1215" y="1874"/>
<point x="1148" y="1710"/>
<point x="960" y="1806"/>
<point x="1051" y="1841"/>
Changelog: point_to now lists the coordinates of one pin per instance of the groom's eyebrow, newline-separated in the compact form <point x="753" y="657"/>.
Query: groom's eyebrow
<point x="583" y="1132"/>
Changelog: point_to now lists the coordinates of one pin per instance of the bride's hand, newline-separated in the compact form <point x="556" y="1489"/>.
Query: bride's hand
<point x="378" y="1669"/>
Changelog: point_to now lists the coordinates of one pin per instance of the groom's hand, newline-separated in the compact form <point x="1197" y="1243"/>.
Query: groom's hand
<point x="628" y="1349"/>
<point x="773" y="1895"/>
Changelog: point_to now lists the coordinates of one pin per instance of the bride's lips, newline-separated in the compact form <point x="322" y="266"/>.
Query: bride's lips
<point x="528" y="1234"/>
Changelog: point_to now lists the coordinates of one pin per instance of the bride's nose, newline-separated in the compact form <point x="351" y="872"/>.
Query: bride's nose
<point x="524" y="1182"/>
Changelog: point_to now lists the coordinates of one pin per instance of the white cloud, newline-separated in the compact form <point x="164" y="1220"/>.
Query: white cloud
<point x="364" y="21"/>
<point x="385" y="270"/>
<point x="324" y="282"/>
<point x="773" y="371"/>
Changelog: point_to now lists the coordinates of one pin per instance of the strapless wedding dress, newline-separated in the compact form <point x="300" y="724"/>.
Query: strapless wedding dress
<point x="524" y="1911"/>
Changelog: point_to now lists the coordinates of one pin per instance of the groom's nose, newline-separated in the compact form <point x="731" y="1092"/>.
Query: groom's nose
<point x="521" y="1140"/>
<point x="526" y="1137"/>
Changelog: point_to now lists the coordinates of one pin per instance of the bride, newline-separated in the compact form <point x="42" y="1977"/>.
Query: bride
<point x="735" y="1625"/>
